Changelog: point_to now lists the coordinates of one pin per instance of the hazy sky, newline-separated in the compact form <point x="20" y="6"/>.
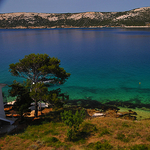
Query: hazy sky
<point x="70" y="6"/>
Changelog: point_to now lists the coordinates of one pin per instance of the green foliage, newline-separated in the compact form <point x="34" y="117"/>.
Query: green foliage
<point x="104" y="131"/>
<point x="41" y="70"/>
<point x="71" y="135"/>
<point x="56" y="98"/>
<point x="50" y="140"/>
<point x="148" y="138"/>
<point x="53" y="141"/>
<point x="132" y="22"/>
<point x="22" y="94"/>
<point x="100" y="146"/>
<point x="139" y="147"/>
<point x="39" y="21"/>
<point x="38" y="132"/>
<point x="88" y="127"/>
<point x="122" y="137"/>
<point x="120" y="148"/>
<point x="120" y="13"/>
<point x="125" y="124"/>
<point x="73" y="121"/>
<point x="38" y="91"/>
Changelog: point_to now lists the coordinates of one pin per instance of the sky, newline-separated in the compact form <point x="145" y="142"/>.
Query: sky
<point x="70" y="6"/>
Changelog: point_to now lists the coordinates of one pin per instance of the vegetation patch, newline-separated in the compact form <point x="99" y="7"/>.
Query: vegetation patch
<point x="148" y="138"/>
<point x="52" y="141"/>
<point x="100" y="146"/>
<point x="139" y="147"/>
<point x="96" y="133"/>
<point x="122" y="137"/>
<point x="73" y="121"/>
<point x="124" y="124"/>
<point x="104" y="131"/>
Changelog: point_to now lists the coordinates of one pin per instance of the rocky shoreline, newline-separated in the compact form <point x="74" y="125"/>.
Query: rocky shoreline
<point x="71" y="27"/>
<point x="124" y="110"/>
<point x="118" y="109"/>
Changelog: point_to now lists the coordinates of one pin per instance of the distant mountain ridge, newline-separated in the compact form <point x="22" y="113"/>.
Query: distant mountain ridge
<point x="135" y="17"/>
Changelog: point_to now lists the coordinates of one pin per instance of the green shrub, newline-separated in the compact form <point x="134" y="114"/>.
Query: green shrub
<point x="104" y="132"/>
<point x="50" y="139"/>
<point x="100" y="146"/>
<point x="73" y="121"/>
<point x="88" y="127"/>
<point x="54" y="142"/>
<point x="71" y="134"/>
<point x="103" y="146"/>
<point x="122" y="137"/>
<point x="148" y="138"/>
<point x="125" y="124"/>
<point x="120" y="148"/>
<point x="139" y="147"/>
<point x="28" y="135"/>
<point x="137" y="134"/>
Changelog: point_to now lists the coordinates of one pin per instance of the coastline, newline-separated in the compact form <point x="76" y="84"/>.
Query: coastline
<point x="141" y="113"/>
<point x="75" y="27"/>
<point x="112" y="29"/>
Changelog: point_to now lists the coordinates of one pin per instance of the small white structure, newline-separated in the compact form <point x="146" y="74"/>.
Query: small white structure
<point x="98" y="115"/>
<point x="2" y="112"/>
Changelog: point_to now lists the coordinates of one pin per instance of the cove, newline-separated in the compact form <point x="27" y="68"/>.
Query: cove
<point x="105" y="64"/>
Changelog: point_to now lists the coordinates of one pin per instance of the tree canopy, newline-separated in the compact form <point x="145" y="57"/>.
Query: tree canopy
<point x="40" y="70"/>
<point x="22" y="94"/>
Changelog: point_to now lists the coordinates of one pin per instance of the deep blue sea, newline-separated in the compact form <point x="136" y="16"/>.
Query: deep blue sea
<point x="105" y="64"/>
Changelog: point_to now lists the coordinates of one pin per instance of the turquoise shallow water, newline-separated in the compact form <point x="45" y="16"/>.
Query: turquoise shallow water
<point x="105" y="64"/>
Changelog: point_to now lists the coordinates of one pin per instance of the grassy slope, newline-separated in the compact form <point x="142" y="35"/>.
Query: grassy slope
<point x="105" y="133"/>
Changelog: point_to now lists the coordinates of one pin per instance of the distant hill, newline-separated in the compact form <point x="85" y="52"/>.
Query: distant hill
<point x="135" y="17"/>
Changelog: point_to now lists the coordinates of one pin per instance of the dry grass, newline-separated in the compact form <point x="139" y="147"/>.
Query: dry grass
<point x="49" y="133"/>
<point x="135" y="131"/>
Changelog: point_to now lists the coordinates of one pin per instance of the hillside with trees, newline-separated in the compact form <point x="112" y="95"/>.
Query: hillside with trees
<point x="135" y="17"/>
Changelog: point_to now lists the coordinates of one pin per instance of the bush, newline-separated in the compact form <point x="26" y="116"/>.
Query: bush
<point x="122" y="137"/>
<point x="104" y="131"/>
<point x="51" y="141"/>
<point x="139" y="147"/>
<point x="73" y="121"/>
<point x="88" y="127"/>
<point x="100" y="146"/>
<point x="148" y="138"/>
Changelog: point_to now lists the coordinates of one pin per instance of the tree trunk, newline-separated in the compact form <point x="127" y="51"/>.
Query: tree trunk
<point x="36" y="109"/>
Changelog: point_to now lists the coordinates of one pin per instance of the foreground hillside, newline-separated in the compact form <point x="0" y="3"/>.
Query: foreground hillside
<point x="106" y="133"/>
<point x="135" y="17"/>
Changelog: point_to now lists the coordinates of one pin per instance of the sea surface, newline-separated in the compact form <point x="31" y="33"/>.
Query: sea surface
<point x="105" y="64"/>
